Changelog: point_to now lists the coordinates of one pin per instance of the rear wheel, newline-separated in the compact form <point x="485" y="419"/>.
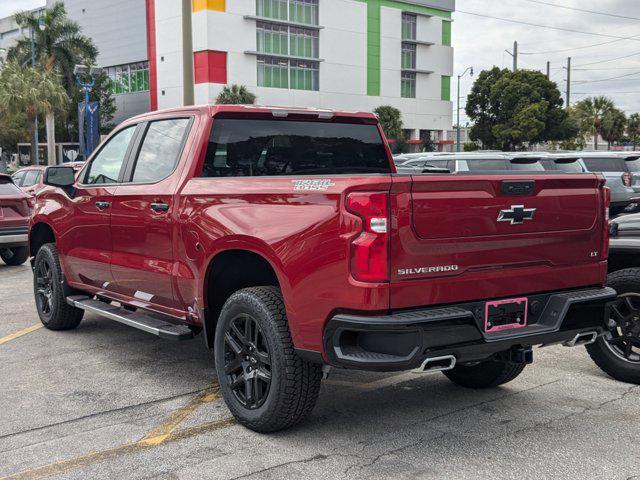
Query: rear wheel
<point x="487" y="374"/>
<point x="617" y="352"/>
<point x="54" y="311"/>
<point x="265" y="384"/>
<point x="14" y="256"/>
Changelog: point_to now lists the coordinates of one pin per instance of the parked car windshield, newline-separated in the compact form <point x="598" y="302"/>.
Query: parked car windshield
<point x="605" y="164"/>
<point x="243" y="148"/>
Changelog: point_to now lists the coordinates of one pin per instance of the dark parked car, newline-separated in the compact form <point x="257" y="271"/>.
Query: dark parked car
<point x="14" y="221"/>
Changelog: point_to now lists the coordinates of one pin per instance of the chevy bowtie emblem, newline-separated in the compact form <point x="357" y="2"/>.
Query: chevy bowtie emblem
<point x="516" y="215"/>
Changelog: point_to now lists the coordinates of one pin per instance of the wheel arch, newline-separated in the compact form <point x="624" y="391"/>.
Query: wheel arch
<point x="232" y="269"/>
<point x="40" y="234"/>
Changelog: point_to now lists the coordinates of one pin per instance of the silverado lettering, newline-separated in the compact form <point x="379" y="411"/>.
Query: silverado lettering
<point x="196" y="208"/>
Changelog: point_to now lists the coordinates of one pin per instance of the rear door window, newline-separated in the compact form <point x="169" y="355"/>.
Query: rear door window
<point x="605" y="164"/>
<point x="247" y="148"/>
<point x="160" y="150"/>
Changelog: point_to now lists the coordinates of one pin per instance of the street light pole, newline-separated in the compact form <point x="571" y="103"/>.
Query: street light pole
<point x="468" y="69"/>
<point x="33" y="64"/>
<point x="82" y="71"/>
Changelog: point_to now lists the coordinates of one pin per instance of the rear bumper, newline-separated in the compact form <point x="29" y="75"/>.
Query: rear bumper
<point x="13" y="237"/>
<point x="403" y="340"/>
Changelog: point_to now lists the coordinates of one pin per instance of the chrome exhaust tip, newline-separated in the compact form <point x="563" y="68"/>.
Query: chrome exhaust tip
<point x="584" y="338"/>
<point x="436" y="364"/>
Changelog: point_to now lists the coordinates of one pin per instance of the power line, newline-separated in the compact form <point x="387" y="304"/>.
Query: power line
<point x="583" y="10"/>
<point x="611" y="78"/>
<point x="564" y="50"/>
<point x="607" y="93"/>
<point x="603" y="68"/>
<point x="562" y="29"/>
<point x="608" y="60"/>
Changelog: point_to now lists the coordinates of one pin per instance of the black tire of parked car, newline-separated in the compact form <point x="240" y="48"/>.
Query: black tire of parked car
<point x="265" y="384"/>
<point x="487" y="374"/>
<point x="54" y="311"/>
<point x="624" y="282"/>
<point x="14" y="256"/>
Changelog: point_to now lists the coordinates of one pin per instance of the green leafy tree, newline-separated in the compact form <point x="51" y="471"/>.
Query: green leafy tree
<point x="59" y="46"/>
<point x="614" y="124"/>
<point x="390" y="119"/>
<point x="31" y="91"/>
<point x="633" y="129"/>
<point x="509" y="109"/>
<point x="235" y="95"/>
<point x="589" y="114"/>
<point x="13" y="130"/>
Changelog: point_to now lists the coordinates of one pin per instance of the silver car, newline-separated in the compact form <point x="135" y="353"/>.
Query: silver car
<point x="621" y="171"/>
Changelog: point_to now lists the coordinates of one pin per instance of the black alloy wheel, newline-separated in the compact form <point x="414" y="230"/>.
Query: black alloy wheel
<point x="247" y="361"/>
<point x="623" y="337"/>
<point x="44" y="287"/>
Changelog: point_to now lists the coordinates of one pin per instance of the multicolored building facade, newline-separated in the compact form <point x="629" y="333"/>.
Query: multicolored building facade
<point x="338" y="54"/>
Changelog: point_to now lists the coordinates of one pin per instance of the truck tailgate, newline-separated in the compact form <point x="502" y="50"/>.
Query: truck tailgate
<point x="467" y="237"/>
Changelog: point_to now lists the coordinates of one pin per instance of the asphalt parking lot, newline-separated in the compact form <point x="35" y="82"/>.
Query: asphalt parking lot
<point x="107" y="401"/>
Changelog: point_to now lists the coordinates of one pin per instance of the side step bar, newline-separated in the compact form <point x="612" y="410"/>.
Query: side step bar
<point x="139" y="320"/>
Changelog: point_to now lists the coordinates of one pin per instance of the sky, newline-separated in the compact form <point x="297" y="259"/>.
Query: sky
<point x="481" y="42"/>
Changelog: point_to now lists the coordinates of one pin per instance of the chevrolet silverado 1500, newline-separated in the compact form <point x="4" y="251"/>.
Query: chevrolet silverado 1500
<point x="288" y="239"/>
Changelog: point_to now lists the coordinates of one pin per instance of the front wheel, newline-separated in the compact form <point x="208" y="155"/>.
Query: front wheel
<point x="264" y="383"/>
<point x="54" y="311"/>
<point x="487" y="374"/>
<point x="617" y="352"/>
<point x="14" y="256"/>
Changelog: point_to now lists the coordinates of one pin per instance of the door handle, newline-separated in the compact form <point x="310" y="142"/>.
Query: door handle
<point x="159" y="207"/>
<point x="102" y="205"/>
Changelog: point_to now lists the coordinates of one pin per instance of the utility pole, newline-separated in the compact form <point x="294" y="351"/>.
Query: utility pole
<point x="568" y="82"/>
<point x="548" y="70"/>
<point x="514" y="55"/>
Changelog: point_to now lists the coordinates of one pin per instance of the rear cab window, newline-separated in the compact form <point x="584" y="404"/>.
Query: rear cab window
<point x="276" y="147"/>
<point x="605" y="164"/>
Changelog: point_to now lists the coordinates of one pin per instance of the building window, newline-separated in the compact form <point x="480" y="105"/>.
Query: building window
<point x="408" y="85"/>
<point x="409" y="22"/>
<point x="304" y="75"/>
<point x="298" y="11"/>
<point x="272" y="38"/>
<point x="408" y="56"/>
<point x="304" y="42"/>
<point x="303" y="11"/>
<point x="273" y="72"/>
<point x="130" y="78"/>
<point x="272" y="9"/>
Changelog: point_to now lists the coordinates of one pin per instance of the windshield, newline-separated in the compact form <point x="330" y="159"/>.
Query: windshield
<point x="243" y="147"/>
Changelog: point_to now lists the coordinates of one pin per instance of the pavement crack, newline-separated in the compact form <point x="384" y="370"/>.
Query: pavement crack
<point x="284" y="464"/>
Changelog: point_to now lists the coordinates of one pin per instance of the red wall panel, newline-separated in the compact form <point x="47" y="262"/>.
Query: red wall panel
<point x="210" y="66"/>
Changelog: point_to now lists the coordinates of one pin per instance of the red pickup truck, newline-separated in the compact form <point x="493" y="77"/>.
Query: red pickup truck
<point x="287" y="237"/>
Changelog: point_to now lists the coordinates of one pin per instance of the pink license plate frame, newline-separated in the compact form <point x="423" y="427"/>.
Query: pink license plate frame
<point x="508" y="326"/>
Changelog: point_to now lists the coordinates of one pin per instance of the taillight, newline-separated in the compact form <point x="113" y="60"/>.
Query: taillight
<point x="370" y="249"/>
<point x="606" y="203"/>
<point x="627" y="179"/>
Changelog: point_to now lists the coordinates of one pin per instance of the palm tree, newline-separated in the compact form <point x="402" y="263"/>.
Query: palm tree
<point x="59" y="46"/>
<point x="30" y="91"/>
<point x="614" y="124"/>
<point x="590" y="112"/>
<point x="235" y="95"/>
<point x="633" y="129"/>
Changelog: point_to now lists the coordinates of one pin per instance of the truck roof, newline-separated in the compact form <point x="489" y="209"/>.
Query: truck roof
<point x="276" y="111"/>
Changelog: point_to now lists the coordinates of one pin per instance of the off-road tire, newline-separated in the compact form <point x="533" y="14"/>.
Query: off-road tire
<point x="487" y="374"/>
<point x="14" y="256"/>
<point x="295" y="383"/>
<point x="622" y="281"/>
<point x="62" y="316"/>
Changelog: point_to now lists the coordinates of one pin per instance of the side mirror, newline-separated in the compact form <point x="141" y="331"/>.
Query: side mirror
<point x="62" y="177"/>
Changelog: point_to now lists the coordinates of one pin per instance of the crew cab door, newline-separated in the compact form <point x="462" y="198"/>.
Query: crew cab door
<point x="142" y="216"/>
<point x="87" y="234"/>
